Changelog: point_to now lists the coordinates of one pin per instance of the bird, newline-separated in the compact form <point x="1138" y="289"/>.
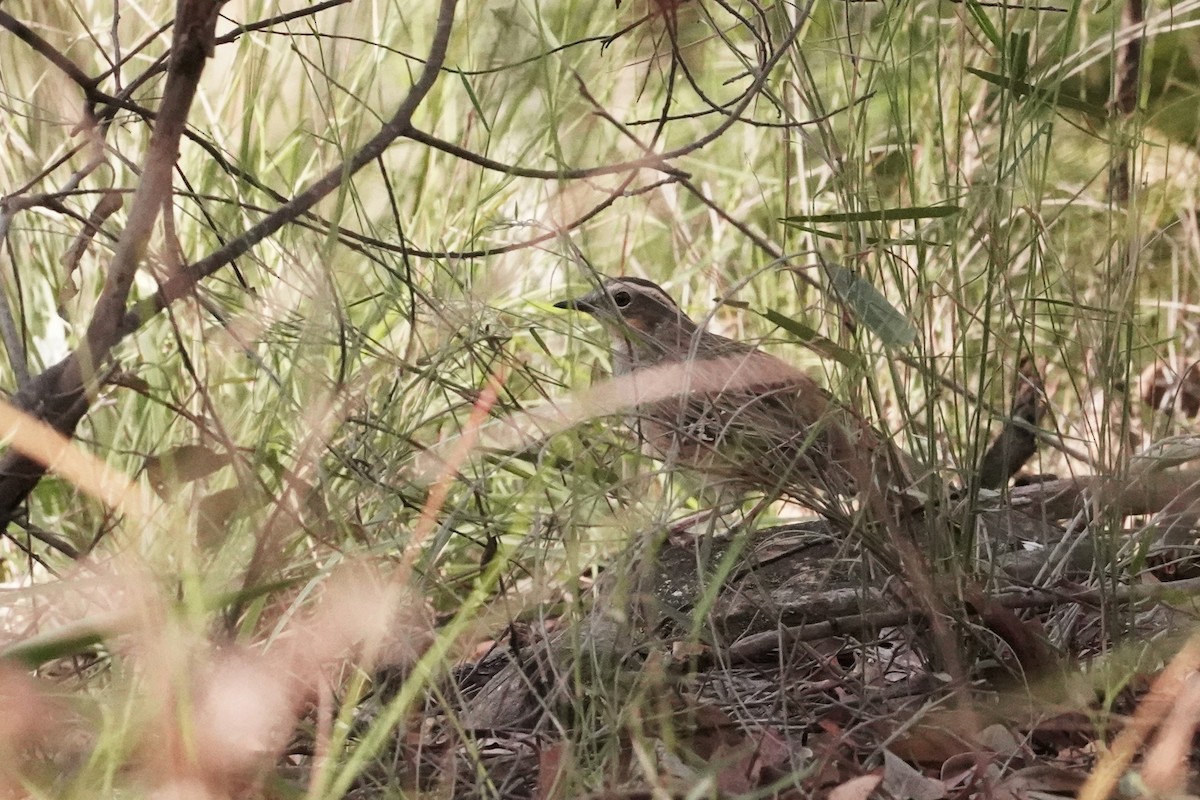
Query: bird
<point x="730" y="411"/>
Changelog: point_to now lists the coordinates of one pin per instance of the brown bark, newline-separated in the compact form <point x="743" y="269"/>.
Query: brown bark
<point x="61" y="394"/>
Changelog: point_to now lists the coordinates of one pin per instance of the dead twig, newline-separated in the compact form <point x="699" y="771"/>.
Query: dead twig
<point x="60" y="394"/>
<point x="758" y="646"/>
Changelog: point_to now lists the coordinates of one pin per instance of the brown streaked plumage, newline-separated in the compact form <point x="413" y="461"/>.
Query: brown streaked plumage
<point x="738" y="414"/>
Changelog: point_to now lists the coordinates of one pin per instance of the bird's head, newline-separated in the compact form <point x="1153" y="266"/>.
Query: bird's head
<point x="636" y="304"/>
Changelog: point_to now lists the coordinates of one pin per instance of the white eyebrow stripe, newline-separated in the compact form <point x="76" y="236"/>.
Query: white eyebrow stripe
<point x="648" y="289"/>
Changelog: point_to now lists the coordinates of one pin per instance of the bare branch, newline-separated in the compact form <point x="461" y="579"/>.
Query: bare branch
<point x="399" y="125"/>
<point x="1145" y="492"/>
<point x="59" y="394"/>
<point x="47" y="51"/>
<point x="756" y="647"/>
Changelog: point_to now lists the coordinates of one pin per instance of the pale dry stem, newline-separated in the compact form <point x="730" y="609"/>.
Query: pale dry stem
<point x="39" y="441"/>
<point x="608" y="398"/>
<point x="1151" y="712"/>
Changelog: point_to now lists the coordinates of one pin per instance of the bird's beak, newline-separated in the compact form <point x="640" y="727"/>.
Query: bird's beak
<point x="577" y="304"/>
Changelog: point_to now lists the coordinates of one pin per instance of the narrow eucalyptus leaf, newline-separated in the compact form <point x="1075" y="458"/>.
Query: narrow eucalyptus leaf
<point x="1023" y="89"/>
<point x="812" y="338"/>
<point x="876" y="215"/>
<point x="872" y="241"/>
<point x="871" y="307"/>
<point x="983" y="20"/>
<point x="475" y="102"/>
<point x="69" y="640"/>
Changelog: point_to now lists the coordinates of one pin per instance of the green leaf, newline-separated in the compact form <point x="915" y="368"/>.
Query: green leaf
<point x="241" y="597"/>
<point x="980" y="15"/>
<point x="872" y="241"/>
<point x="812" y="338"/>
<point x="1017" y="54"/>
<point x="68" y="640"/>
<point x="871" y="307"/>
<point x="877" y="215"/>
<point x="475" y="102"/>
<point x="1023" y="89"/>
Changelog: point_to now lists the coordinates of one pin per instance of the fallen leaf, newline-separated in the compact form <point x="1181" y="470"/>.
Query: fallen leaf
<point x="552" y="763"/>
<point x="905" y="783"/>
<point x="859" y="788"/>
<point x="1040" y="778"/>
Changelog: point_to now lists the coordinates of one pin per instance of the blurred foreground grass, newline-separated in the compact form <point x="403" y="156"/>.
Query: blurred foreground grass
<point x="276" y="418"/>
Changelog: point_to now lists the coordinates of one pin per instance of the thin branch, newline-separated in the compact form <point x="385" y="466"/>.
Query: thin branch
<point x="1145" y="491"/>
<point x="59" y="394"/>
<point x="68" y="67"/>
<point x="47" y="51"/>
<point x="279" y="19"/>
<point x="51" y="540"/>
<point x="401" y="123"/>
<point x="759" y="645"/>
<point x="646" y="162"/>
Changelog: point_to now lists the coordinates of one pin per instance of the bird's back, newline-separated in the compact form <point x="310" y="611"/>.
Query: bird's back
<point x="744" y="416"/>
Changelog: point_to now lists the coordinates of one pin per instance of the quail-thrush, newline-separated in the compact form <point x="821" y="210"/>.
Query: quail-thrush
<point x="733" y="414"/>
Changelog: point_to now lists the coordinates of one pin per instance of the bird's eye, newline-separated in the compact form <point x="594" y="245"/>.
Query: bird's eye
<point x="622" y="299"/>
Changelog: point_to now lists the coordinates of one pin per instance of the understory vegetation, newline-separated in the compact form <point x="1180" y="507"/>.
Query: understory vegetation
<point x="310" y="489"/>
